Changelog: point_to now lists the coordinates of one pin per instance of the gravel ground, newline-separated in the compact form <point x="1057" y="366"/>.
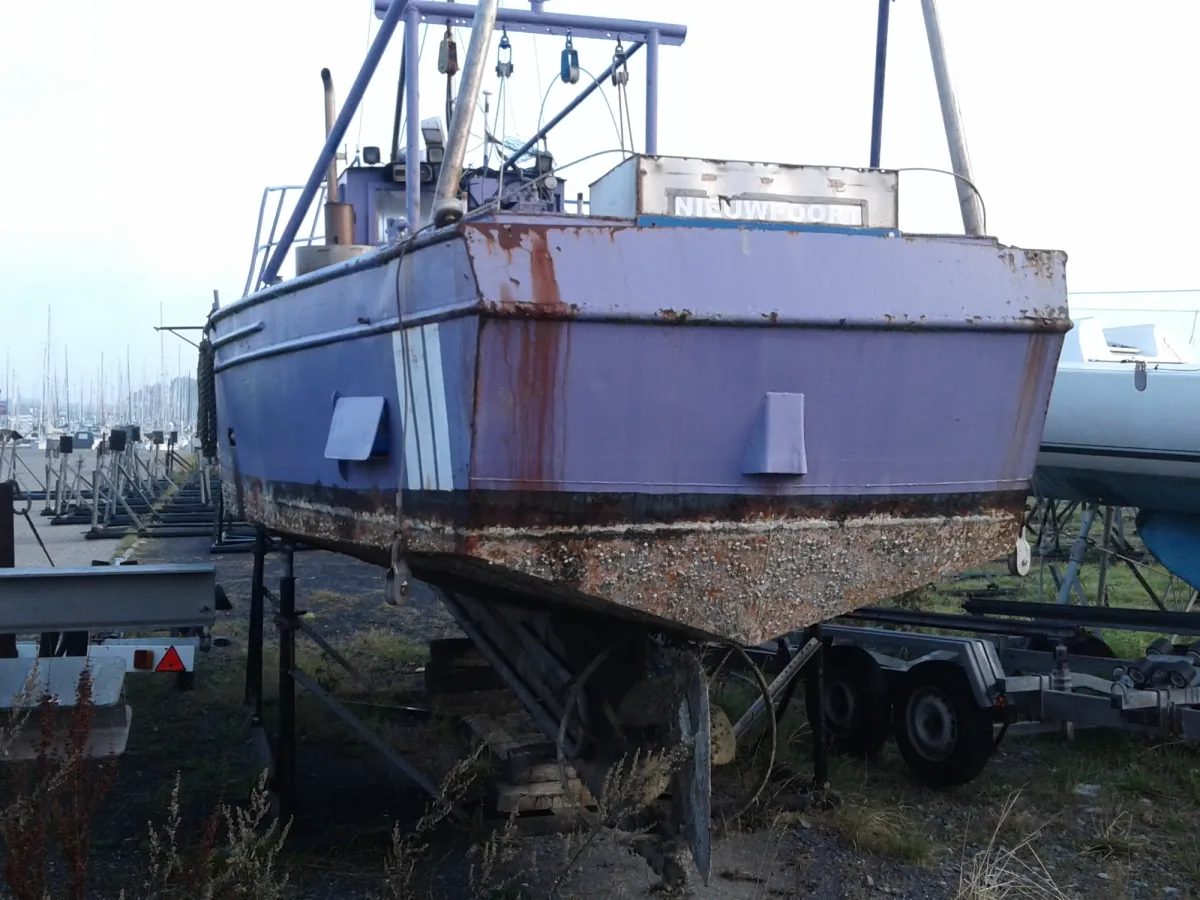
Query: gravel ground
<point x="1110" y="816"/>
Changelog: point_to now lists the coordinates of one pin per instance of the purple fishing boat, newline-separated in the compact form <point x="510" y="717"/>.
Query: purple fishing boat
<point x="719" y="401"/>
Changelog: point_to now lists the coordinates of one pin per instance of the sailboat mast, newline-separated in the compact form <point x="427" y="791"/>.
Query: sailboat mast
<point x="45" y="376"/>
<point x="162" y="371"/>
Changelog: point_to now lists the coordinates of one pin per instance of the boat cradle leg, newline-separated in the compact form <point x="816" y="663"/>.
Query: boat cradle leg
<point x="254" y="655"/>
<point x="285" y="753"/>
<point x="820" y="745"/>
<point x="280" y="755"/>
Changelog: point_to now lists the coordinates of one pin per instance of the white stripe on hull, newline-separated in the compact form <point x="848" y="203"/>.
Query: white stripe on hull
<point x="421" y="387"/>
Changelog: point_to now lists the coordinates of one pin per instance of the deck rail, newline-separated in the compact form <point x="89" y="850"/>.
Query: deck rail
<point x="262" y="249"/>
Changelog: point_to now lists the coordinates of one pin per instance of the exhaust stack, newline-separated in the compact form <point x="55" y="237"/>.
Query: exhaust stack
<point x="339" y="217"/>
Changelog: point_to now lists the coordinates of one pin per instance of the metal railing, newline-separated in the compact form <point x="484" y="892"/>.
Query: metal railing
<point x="263" y="249"/>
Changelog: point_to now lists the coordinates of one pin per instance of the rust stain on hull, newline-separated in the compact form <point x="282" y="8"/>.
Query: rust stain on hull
<point x="526" y="250"/>
<point x="1033" y="399"/>
<point x="745" y="581"/>
<point x="537" y="351"/>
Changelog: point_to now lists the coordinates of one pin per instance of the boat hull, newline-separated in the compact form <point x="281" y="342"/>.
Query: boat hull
<point x="727" y="432"/>
<point x="1107" y="442"/>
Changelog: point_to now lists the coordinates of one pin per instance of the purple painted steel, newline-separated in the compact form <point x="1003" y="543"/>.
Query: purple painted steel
<point x="534" y="22"/>
<point x="644" y="408"/>
<point x="596" y="435"/>
<point x="760" y="276"/>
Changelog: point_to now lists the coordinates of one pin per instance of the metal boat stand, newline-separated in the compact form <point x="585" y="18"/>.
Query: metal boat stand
<point x="136" y="497"/>
<point x="566" y="669"/>
<point x="280" y="755"/>
<point x="630" y="712"/>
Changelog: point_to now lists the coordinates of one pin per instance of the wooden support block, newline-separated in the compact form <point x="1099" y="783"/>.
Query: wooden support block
<point x="486" y="730"/>
<point x="530" y="779"/>
<point x="546" y="795"/>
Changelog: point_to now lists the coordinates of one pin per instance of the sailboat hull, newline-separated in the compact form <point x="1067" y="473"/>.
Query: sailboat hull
<point x="730" y="432"/>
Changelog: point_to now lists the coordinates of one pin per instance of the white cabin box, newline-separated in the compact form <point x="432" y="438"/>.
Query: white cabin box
<point x="679" y="187"/>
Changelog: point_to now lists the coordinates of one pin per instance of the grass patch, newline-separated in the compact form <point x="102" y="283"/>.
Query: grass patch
<point x="885" y="831"/>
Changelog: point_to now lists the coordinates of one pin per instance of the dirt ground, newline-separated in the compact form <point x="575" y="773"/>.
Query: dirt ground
<point x="1104" y="816"/>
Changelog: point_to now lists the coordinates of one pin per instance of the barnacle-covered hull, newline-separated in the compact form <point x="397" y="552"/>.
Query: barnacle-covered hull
<point x="730" y="432"/>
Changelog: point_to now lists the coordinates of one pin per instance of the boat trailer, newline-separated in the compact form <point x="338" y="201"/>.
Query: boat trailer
<point x="77" y="616"/>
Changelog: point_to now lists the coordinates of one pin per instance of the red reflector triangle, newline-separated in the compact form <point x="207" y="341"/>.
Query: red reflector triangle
<point x="170" y="662"/>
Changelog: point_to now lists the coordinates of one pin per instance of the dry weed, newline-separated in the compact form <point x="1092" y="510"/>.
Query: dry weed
<point x="496" y="863"/>
<point x="408" y="847"/>
<point x="632" y="784"/>
<point x="1115" y="836"/>
<point x="1002" y="873"/>
<point x="54" y="795"/>
<point x="243" y="866"/>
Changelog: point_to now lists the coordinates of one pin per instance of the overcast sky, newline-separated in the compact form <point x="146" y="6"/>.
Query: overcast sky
<point x="138" y="135"/>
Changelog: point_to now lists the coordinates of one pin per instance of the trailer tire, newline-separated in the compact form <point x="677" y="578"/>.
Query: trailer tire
<point x="858" y="711"/>
<point x="941" y="732"/>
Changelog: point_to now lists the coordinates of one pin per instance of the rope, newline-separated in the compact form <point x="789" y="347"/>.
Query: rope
<point x="206" y="399"/>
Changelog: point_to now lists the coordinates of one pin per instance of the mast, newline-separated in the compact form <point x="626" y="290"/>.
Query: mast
<point x="162" y="370"/>
<point x="45" y="376"/>
<point x="968" y="199"/>
<point x="179" y="385"/>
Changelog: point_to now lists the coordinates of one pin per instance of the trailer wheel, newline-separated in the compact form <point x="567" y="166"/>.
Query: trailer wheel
<point x="858" y="710"/>
<point x="942" y="733"/>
